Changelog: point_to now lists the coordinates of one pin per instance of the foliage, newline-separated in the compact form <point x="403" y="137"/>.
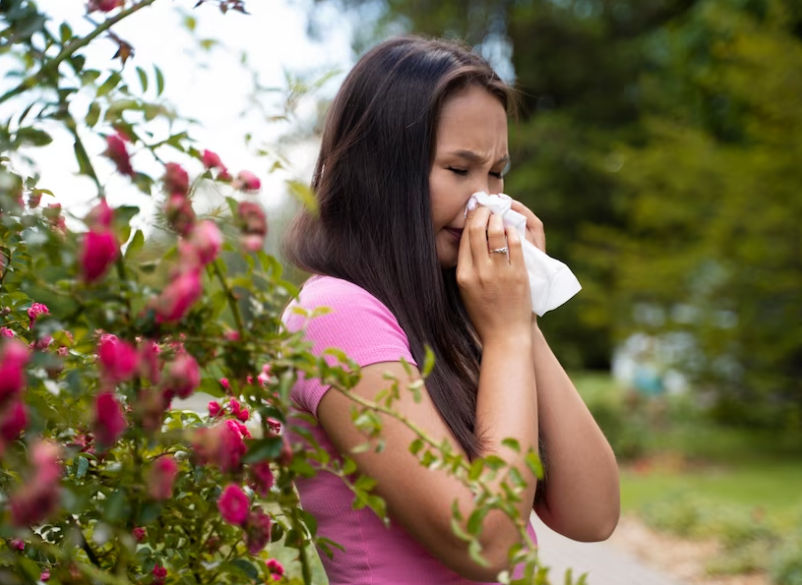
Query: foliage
<point x="104" y="478"/>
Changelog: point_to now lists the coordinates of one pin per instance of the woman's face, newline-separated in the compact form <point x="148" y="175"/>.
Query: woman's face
<point x="470" y="156"/>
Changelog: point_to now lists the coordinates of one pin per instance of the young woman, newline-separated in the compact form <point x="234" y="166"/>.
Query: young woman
<point x="418" y="127"/>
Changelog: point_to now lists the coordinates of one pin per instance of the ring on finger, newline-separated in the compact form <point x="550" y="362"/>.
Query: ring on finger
<point x="499" y="250"/>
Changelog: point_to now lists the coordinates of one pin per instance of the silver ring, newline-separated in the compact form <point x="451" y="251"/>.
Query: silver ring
<point x="499" y="250"/>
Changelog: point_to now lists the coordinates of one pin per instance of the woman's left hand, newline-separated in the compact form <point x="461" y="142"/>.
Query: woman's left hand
<point x="534" y="227"/>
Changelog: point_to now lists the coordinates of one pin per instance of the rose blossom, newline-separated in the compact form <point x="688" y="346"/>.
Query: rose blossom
<point x="139" y="533"/>
<point x="177" y="298"/>
<point x="14" y="421"/>
<point x="235" y="406"/>
<point x="45" y="575"/>
<point x="99" y="250"/>
<point x="244" y="415"/>
<point x="261" y="478"/>
<point x="276" y="568"/>
<point x="33" y="502"/>
<point x="253" y="224"/>
<point x="159" y="575"/>
<point x="211" y="160"/>
<point x="183" y="376"/>
<point x="17" y="544"/>
<point x="214" y="408"/>
<point x="233" y="505"/>
<point x="52" y="213"/>
<point x="104" y="5"/>
<point x="257" y="531"/>
<point x="110" y="421"/>
<point x="264" y="377"/>
<point x="225" y="384"/>
<point x="6" y="332"/>
<point x="148" y="356"/>
<point x="36" y="310"/>
<point x="205" y="240"/>
<point x="161" y="478"/>
<point x="179" y="212"/>
<point x="100" y="217"/>
<point x="176" y="179"/>
<point x="14" y="356"/>
<point x="118" y="152"/>
<point x="222" y="445"/>
<point x="118" y="358"/>
<point x="247" y="181"/>
<point x="151" y="404"/>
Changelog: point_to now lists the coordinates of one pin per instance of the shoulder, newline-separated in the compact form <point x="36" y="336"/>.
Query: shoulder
<point x="353" y="320"/>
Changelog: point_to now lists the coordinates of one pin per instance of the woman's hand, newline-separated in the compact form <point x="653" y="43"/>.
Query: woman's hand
<point x="534" y="227"/>
<point x="494" y="287"/>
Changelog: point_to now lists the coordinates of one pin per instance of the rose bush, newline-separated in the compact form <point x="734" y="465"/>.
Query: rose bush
<point x="104" y="479"/>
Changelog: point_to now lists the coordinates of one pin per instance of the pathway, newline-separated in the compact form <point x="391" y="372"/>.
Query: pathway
<point x="604" y="564"/>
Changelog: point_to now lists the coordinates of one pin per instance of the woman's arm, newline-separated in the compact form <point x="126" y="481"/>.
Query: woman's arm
<point x="581" y="496"/>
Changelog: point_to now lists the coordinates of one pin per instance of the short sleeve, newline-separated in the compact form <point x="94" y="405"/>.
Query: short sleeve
<point x="358" y="324"/>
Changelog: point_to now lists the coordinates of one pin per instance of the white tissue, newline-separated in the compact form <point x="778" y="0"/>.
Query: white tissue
<point x="551" y="282"/>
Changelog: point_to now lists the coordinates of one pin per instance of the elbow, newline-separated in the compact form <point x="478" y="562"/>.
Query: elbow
<point x="496" y="545"/>
<point x="599" y="528"/>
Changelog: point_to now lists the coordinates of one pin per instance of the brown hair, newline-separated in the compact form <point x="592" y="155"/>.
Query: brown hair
<point x="374" y="226"/>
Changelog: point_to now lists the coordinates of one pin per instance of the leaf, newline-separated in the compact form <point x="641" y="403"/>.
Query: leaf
<point x="111" y="82"/>
<point x="115" y="506"/>
<point x="477" y="467"/>
<point x="82" y="464"/>
<point x="84" y="166"/>
<point x="159" y="80"/>
<point x="144" y="183"/>
<point x="208" y="44"/>
<point x="262" y="449"/>
<point x="33" y="136"/>
<point x="246" y="567"/>
<point x="302" y="467"/>
<point x="303" y="193"/>
<point x="310" y="521"/>
<point x="475" y="520"/>
<point x="93" y="114"/>
<point x="534" y="464"/>
<point x="136" y="244"/>
<point x="428" y="362"/>
<point x="416" y="446"/>
<point x="143" y="78"/>
<point x="65" y="32"/>
<point x="475" y="550"/>
<point x="512" y="444"/>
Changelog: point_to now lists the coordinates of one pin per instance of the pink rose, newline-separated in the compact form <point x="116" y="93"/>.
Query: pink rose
<point x="222" y="445"/>
<point x="253" y="225"/>
<point x="247" y="181"/>
<point x="104" y="5"/>
<point x="176" y="179"/>
<point x="44" y="576"/>
<point x="211" y="160"/>
<point x="99" y="250"/>
<point x="225" y="384"/>
<point x="118" y="359"/>
<point x="183" y="376"/>
<point x="179" y="296"/>
<point x="14" y="356"/>
<point x="159" y="575"/>
<point x="110" y="421"/>
<point x="276" y="568"/>
<point x="148" y="357"/>
<point x="161" y="478"/>
<point x="6" y="332"/>
<point x="243" y="415"/>
<point x="17" y="544"/>
<point x="37" y="499"/>
<point x="151" y="404"/>
<point x="36" y="310"/>
<point x="257" y="531"/>
<point x="205" y="240"/>
<point x="14" y="421"/>
<point x="139" y="533"/>
<point x="100" y="217"/>
<point x="261" y="478"/>
<point x="214" y="408"/>
<point x="264" y="377"/>
<point x="179" y="212"/>
<point x="273" y="426"/>
<point x="234" y="404"/>
<point x="233" y="505"/>
<point x="243" y="430"/>
<point x="117" y="151"/>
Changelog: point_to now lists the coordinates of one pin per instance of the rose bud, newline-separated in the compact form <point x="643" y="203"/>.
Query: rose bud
<point x="179" y="296"/>
<point x="110" y="421"/>
<point x="247" y="181"/>
<point x="118" y="153"/>
<point x="183" y="376"/>
<point x="161" y="478"/>
<point x="179" y="212"/>
<point x="211" y="160"/>
<point x="205" y="240"/>
<point x="176" y="179"/>
<point x="99" y="250"/>
<point x="118" y="359"/>
<point x="14" y="356"/>
<point x="233" y="505"/>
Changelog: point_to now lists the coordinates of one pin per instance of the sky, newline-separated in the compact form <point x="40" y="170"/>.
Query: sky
<point x="209" y="86"/>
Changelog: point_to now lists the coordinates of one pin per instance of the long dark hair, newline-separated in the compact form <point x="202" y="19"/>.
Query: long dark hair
<point x="374" y="225"/>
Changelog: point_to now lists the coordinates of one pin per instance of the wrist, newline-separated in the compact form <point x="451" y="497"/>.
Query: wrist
<point x="509" y="339"/>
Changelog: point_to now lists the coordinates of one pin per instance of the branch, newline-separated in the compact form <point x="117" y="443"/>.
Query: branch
<point x="70" y="49"/>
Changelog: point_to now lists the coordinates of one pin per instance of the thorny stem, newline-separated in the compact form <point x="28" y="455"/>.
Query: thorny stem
<point x="69" y="50"/>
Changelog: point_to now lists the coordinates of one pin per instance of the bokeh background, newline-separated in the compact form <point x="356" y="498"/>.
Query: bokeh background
<point x="661" y="143"/>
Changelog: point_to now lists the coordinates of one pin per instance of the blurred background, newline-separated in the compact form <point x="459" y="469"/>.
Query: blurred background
<point x="660" y="141"/>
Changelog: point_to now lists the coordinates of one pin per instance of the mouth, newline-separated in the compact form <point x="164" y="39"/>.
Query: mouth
<point x="456" y="232"/>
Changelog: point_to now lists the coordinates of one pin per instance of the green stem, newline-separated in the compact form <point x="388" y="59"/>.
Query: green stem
<point x="70" y="49"/>
<point x="232" y="299"/>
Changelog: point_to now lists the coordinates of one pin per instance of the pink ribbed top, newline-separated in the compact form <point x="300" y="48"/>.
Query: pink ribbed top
<point x="368" y="333"/>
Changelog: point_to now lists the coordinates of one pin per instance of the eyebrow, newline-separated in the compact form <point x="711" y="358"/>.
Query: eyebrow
<point x="471" y="156"/>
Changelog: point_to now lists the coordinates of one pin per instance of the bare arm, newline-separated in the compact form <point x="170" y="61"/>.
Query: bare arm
<point x="581" y="497"/>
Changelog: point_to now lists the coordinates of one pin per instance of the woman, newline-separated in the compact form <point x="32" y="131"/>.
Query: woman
<point x="418" y="127"/>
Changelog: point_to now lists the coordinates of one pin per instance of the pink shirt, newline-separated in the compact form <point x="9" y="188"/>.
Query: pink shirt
<point x="368" y="333"/>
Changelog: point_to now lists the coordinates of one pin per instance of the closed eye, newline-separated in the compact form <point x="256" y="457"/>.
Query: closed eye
<point x="460" y="172"/>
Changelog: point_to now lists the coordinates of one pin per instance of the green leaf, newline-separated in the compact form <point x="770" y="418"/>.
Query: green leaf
<point x="144" y="183"/>
<point x="33" y="136"/>
<point x="111" y="82"/>
<point x="93" y="114"/>
<point x="475" y="550"/>
<point x="262" y="449"/>
<point x="136" y="244"/>
<point x="82" y="464"/>
<point x="143" y="78"/>
<point x="428" y="362"/>
<point x="302" y="467"/>
<point x="416" y="446"/>
<point x="512" y="444"/>
<point x="365" y="482"/>
<point x="310" y="521"/>
<point x="477" y="467"/>
<point x="84" y="166"/>
<point x="246" y="567"/>
<point x="115" y="506"/>
<point x="303" y="193"/>
<point x="475" y="520"/>
<point x="159" y="80"/>
<point x="65" y="32"/>
<point x="534" y="464"/>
